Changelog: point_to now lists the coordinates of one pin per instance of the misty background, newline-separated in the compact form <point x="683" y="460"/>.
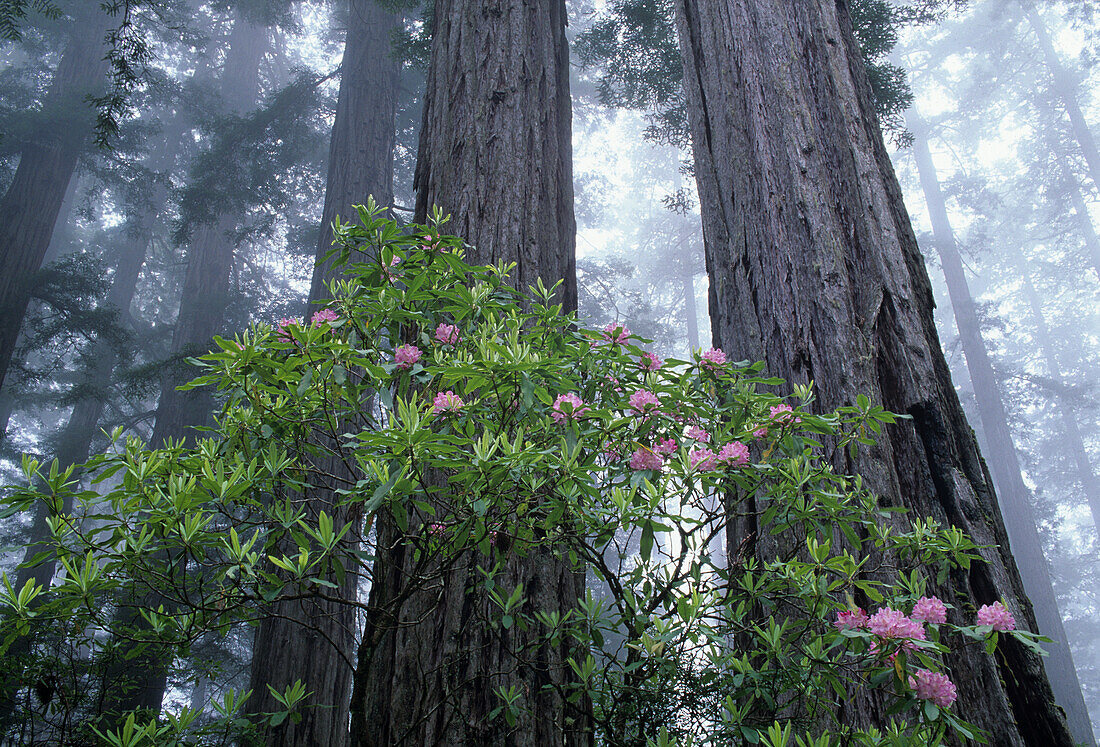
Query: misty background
<point x="224" y="138"/>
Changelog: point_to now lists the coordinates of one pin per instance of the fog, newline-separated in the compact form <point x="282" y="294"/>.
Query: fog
<point x="220" y="138"/>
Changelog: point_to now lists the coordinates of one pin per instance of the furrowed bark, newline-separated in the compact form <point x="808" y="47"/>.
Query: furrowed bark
<point x="313" y="640"/>
<point x="495" y="153"/>
<point x="815" y="270"/>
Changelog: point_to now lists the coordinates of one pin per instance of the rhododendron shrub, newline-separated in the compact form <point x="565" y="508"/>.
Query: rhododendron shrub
<point x="501" y="426"/>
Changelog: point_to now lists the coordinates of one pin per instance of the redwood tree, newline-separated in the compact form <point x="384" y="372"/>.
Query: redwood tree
<point x="30" y="207"/>
<point x="815" y="270"/>
<point x="495" y="153"/>
<point x="313" y="639"/>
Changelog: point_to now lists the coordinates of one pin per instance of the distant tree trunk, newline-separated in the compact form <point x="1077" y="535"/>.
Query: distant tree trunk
<point x="690" y="310"/>
<point x="1081" y="212"/>
<point x="206" y="288"/>
<point x="29" y="209"/>
<point x="59" y="242"/>
<point x="312" y="639"/>
<point x="139" y="682"/>
<point x="1001" y="457"/>
<point x="72" y="448"/>
<point x="495" y="152"/>
<point x="814" y="269"/>
<point x="360" y="156"/>
<point x="1073" y="438"/>
<point x="1066" y="89"/>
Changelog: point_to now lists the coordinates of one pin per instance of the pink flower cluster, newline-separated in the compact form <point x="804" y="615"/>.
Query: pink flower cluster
<point x="644" y="458"/>
<point x="784" y="414"/>
<point x="650" y="362"/>
<point x="644" y="401"/>
<point x="284" y="328"/>
<point x="733" y="454"/>
<point x="851" y="619"/>
<point x="447" y="402"/>
<point x="323" y="316"/>
<point x="996" y="616"/>
<point x="893" y="624"/>
<point x="406" y="355"/>
<point x="567" y="408"/>
<point x="934" y="686"/>
<point x="695" y="433"/>
<point x="930" y="609"/>
<point x="713" y="358"/>
<point x="447" y="334"/>
<point x="703" y="459"/>
<point x="616" y="333"/>
<point x="390" y="271"/>
<point x="666" y="446"/>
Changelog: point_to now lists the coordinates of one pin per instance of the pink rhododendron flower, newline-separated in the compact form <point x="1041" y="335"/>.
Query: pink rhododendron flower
<point x="929" y="609"/>
<point x="888" y="623"/>
<point x="997" y="616"/>
<point x="702" y="459"/>
<point x="666" y="446"/>
<point x="650" y="362"/>
<point x="713" y="358"/>
<point x="567" y="408"/>
<point x="390" y="271"/>
<point x="760" y="432"/>
<point x="643" y="401"/>
<point x="324" y="315"/>
<point x="695" y="433"/>
<point x="284" y="328"/>
<point x="733" y="454"/>
<point x="614" y="383"/>
<point x="437" y="530"/>
<point x="406" y="356"/>
<point x="851" y="619"/>
<point x="784" y="414"/>
<point x="934" y="686"/>
<point x="447" y="334"/>
<point x="644" y="458"/>
<point x="446" y="402"/>
<point x="617" y="333"/>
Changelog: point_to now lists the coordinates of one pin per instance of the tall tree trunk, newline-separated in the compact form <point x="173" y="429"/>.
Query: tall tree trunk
<point x="1085" y="474"/>
<point x="1081" y="212"/>
<point x="139" y="682"/>
<point x="59" y="242"/>
<point x="815" y="270"/>
<point x="690" y="310"/>
<point x="29" y="209"/>
<point x="206" y="284"/>
<point x="312" y="639"/>
<point x="1066" y="89"/>
<point x="495" y="152"/>
<point x="1001" y="457"/>
<point x="72" y="448"/>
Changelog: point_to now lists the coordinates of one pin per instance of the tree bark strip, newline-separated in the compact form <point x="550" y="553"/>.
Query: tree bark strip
<point x="29" y="209"/>
<point x="815" y="269"/>
<point x="495" y="153"/>
<point x="314" y="639"/>
<point x="1001" y="457"/>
